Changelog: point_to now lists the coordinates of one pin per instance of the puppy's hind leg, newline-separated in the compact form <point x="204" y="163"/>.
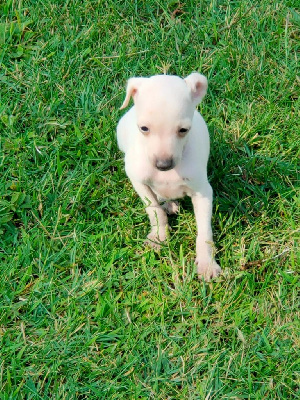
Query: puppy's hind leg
<point x="157" y="216"/>
<point x="171" y="207"/>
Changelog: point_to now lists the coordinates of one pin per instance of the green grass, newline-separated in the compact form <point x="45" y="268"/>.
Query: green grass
<point x="86" y="312"/>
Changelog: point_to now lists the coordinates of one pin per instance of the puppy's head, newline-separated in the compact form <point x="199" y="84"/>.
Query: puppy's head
<point x="165" y="107"/>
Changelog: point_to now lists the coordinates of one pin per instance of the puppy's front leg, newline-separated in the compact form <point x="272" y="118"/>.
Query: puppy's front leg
<point x="206" y="265"/>
<point x="158" y="217"/>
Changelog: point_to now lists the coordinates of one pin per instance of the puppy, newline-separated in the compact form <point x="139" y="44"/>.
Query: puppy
<point x="166" y="146"/>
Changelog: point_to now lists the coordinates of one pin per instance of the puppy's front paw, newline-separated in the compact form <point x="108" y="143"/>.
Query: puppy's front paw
<point x="154" y="239"/>
<point x="207" y="269"/>
<point x="153" y="242"/>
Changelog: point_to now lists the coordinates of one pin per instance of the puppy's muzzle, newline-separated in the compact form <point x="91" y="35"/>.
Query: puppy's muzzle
<point x="164" y="164"/>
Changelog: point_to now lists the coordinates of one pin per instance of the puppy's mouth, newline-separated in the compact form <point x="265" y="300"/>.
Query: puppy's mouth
<point x="165" y="169"/>
<point x="164" y="164"/>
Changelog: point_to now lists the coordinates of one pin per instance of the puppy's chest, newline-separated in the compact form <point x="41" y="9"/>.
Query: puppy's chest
<point x="168" y="185"/>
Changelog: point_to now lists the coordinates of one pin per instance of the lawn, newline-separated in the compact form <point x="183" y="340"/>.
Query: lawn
<point x="86" y="311"/>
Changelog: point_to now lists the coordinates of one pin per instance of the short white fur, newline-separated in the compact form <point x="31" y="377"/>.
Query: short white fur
<point x="166" y="146"/>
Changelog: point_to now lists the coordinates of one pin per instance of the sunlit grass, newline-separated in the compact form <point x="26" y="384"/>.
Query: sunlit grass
<point x="88" y="312"/>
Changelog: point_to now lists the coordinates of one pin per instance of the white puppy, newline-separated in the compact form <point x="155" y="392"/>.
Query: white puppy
<point x="166" y="146"/>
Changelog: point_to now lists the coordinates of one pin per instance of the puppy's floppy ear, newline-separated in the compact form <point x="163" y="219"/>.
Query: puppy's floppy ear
<point x="132" y="87"/>
<point x="198" y="85"/>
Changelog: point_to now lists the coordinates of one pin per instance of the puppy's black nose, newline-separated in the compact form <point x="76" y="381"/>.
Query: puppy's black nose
<point x="164" y="164"/>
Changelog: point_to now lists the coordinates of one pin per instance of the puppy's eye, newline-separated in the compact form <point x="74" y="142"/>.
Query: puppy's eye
<point x="144" y="129"/>
<point x="183" y="131"/>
